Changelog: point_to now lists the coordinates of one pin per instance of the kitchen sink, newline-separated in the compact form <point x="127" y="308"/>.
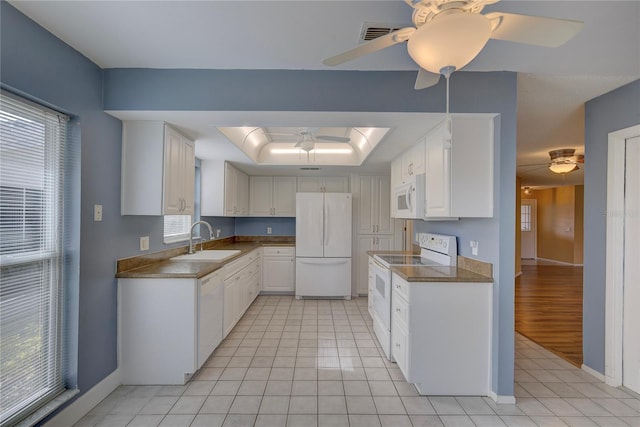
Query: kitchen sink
<point x="210" y="255"/>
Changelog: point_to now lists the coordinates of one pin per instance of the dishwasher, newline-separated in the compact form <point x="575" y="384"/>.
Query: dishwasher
<point x="210" y="314"/>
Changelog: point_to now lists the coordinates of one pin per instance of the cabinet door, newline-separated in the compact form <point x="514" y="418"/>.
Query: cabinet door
<point x="242" y="193"/>
<point x="173" y="173"/>
<point x="382" y="203"/>
<point x="230" y="304"/>
<point x="366" y="207"/>
<point x="278" y="274"/>
<point x="396" y="179"/>
<point x="188" y="175"/>
<point x="438" y="175"/>
<point x="310" y="184"/>
<point x="260" y="195"/>
<point x="336" y="184"/>
<point x="415" y="156"/>
<point x="363" y="244"/>
<point x="230" y="202"/>
<point x="284" y="196"/>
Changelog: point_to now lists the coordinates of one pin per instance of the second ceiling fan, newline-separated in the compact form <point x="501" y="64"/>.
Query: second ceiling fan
<point x="448" y="34"/>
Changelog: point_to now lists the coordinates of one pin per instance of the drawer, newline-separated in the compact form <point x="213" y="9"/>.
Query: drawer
<point x="400" y="287"/>
<point x="285" y="251"/>
<point x="400" y="311"/>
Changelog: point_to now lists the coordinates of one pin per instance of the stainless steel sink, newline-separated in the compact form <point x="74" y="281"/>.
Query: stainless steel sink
<point x="209" y="255"/>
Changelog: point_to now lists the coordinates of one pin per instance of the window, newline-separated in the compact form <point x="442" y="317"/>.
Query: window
<point x="177" y="227"/>
<point x="525" y="218"/>
<point x="32" y="144"/>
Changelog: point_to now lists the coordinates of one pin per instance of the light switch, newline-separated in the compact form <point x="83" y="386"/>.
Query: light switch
<point x="144" y="243"/>
<point x="97" y="212"/>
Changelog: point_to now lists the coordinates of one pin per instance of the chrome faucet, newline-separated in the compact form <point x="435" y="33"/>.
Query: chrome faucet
<point x="191" y="250"/>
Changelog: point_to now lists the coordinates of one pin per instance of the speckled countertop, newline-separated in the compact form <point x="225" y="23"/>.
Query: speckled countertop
<point x="161" y="266"/>
<point x="468" y="270"/>
<point x="421" y="273"/>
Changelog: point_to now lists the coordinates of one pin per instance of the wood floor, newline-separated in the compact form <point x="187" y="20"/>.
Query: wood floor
<point x="548" y="308"/>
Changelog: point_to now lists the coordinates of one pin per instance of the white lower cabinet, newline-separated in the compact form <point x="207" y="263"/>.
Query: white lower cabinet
<point x="278" y="269"/>
<point x="167" y="327"/>
<point x="241" y="287"/>
<point x="441" y="335"/>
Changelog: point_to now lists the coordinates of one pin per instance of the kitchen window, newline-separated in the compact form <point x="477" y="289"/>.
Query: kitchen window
<point x="177" y="227"/>
<point x="32" y="241"/>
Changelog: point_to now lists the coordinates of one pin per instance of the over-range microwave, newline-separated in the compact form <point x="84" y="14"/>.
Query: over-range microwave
<point x="409" y="198"/>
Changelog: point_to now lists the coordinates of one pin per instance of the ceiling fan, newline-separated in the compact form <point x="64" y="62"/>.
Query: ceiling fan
<point x="307" y="139"/>
<point x="448" y="34"/>
<point x="563" y="161"/>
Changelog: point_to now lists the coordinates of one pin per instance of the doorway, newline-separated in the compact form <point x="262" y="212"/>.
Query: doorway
<point x="622" y="353"/>
<point x="528" y="233"/>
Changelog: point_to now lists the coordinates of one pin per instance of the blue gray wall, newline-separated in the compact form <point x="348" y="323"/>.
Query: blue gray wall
<point x="38" y="64"/>
<point x="258" y="226"/>
<point x="613" y="111"/>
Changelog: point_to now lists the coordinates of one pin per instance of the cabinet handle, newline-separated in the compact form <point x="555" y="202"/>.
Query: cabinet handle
<point x="397" y="310"/>
<point x="397" y="345"/>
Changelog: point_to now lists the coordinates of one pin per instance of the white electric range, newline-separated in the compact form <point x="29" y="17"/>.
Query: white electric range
<point x="435" y="249"/>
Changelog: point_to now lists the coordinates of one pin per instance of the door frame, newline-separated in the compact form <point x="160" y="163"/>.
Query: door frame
<point x="614" y="297"/>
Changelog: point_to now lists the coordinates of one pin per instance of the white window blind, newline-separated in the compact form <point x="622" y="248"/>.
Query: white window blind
<point x="176" y="228"/>
<point x="32" y="140"/>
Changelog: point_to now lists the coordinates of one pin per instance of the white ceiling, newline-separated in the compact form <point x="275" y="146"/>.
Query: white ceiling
<point x="299" y="34"/>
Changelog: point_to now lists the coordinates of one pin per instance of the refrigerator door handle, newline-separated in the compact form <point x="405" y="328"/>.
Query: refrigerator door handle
<point x="325" y="262"/>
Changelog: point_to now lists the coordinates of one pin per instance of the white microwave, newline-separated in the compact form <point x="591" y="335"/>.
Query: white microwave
<point x="408" y="198"/>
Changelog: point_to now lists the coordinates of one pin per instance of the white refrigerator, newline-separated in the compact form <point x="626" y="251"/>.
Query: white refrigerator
<point x="323" y="245"/>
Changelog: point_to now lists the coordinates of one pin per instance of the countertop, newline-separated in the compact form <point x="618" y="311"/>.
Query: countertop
<point x="475" y="271"/>
<point x="168" y="269"/>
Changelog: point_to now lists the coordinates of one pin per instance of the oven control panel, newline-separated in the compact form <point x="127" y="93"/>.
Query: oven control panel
<point x="440" y="243"/>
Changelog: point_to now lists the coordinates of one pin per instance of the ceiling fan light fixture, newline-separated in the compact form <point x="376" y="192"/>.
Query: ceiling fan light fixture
<point x="306" y="145"/>
<point x="449" y="40"/>
<point x="563" y="167"/>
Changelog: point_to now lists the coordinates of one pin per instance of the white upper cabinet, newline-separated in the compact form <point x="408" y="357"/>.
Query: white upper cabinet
<point x="225" y="189"/>
<point x="158" y="170"/>
<point x="272" y="196"/>
<point x="374" y="205"/>
<point x="413" y="161"/>
<point x="459" y="170"/>
<point x="317" y="184"/>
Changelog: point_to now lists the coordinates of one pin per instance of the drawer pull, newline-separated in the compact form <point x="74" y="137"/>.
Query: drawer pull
<point x="397" y="310"/>
<point x="397" y="345"/>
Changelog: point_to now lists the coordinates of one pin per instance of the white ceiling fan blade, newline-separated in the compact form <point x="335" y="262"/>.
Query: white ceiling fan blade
<point x="402" y="35"/>
<point x="426" y="79"/>
<point x="332" y="138"/>
<point x="535" y="30"/>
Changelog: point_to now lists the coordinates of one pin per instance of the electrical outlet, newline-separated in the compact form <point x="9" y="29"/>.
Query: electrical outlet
<point x="144" y="243"/>
<point x="97" y="212"/>
<point x="217" y="233"/>
<point x="474" y="247"/>
<point x="269" y="230"/>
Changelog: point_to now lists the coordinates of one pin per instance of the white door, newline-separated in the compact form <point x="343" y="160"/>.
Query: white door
<point x="631" y="316"/>
<point x="528" y="229"/>
<point x="337" y="225"/>
<point x="309" y="225"/>
<point x="173" y="169"/>
<point x="438" y="178"/>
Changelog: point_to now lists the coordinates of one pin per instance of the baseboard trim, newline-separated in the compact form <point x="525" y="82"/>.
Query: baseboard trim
<point x="555" y="261"/>
<point x="502" y="400"/>
<point x="593" y="372"/>
<point x="78" y="409"/>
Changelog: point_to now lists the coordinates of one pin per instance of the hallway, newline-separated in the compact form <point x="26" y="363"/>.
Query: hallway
<point x="548" y="307"/>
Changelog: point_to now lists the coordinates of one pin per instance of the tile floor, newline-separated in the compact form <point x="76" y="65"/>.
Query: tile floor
<point x="316" y="363"/>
